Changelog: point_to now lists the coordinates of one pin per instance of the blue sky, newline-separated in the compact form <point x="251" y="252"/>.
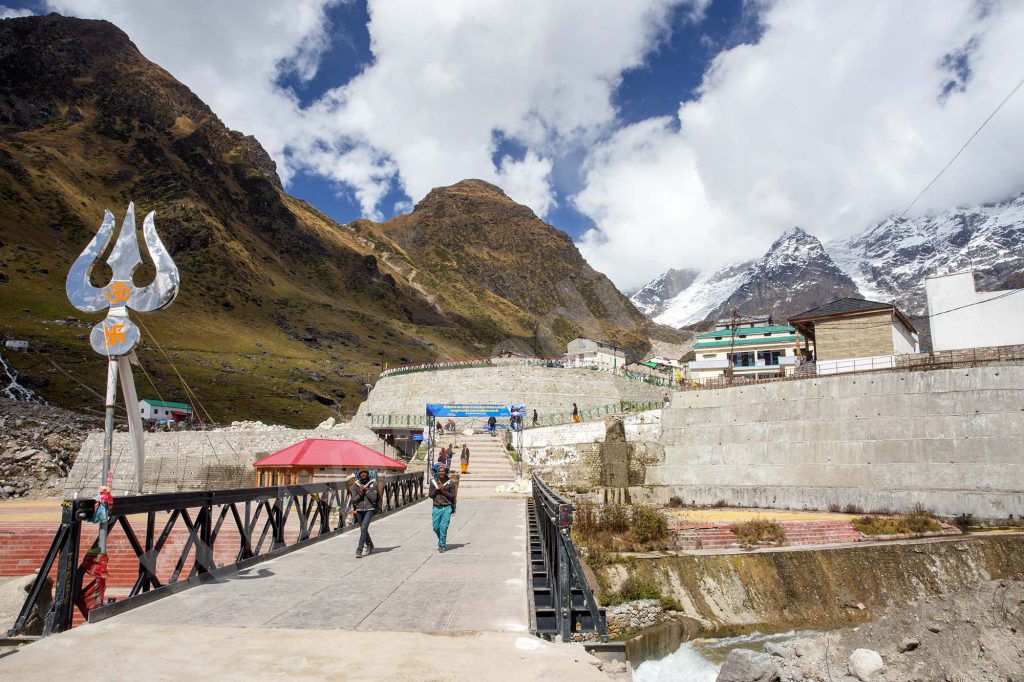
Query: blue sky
<point x="657" y="133"/>
<point x="673" y="70"/>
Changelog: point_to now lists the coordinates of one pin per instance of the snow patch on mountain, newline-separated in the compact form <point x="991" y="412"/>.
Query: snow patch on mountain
<point x="887" y="262"/>
<point x="891" y="260"/>
<point x="706" y="293"/>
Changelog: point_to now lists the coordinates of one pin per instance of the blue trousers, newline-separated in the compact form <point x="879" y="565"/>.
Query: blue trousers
<point x="363" y="518"/>
<point x="441" y="517"/>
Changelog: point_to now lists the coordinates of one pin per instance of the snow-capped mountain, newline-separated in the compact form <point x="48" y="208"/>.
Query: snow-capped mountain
<point x="887" y="262"/>
<point x="890" y="261"/>
<point x="786" y="280"/>
<point x="650" y="299"/>
<point x="796" y="274"/>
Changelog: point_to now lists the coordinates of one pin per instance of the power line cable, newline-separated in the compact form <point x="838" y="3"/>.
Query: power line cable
<point x="960" y="151"/>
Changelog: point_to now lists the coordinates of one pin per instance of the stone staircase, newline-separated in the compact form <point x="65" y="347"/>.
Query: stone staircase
<point x="798" y="533"/>
<point x="489" y="465"/>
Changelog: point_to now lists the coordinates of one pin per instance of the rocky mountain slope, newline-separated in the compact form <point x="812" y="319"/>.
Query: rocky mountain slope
<point x="504" y="269"/>
<point x="651" y="298"/>
<point x="887" y="262"/>
<point x="795" y="275"/>
<point x="283" y="314"/>
<point x="890" y="261"/>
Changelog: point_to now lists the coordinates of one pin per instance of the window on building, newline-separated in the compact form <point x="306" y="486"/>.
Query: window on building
<point x="742" y="359"/>
<point x="743" y="336"/>
<point x="768" y="334"/>
<point x="709" y="355"/>
<point x="770" y="357"/>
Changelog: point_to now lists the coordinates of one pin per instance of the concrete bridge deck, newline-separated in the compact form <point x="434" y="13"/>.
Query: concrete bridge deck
<point x="479" y="584"/>
<point x="404" y="612"/>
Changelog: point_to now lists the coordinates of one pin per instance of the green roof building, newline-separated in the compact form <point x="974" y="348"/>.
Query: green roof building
<point x="161" y="409"/>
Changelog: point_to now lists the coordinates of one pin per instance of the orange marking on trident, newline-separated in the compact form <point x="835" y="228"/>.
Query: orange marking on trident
<point x="118" y="291"/>
<point x="113" y="334"/>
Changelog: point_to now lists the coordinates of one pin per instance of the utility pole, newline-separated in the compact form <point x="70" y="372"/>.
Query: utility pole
<point x="732" y="345"/>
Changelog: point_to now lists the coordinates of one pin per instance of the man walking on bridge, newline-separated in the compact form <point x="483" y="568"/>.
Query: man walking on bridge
<point x="364" y="500"/>
<point x="442" y="491"/>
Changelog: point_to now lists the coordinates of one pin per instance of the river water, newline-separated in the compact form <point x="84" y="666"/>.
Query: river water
<point x="699" y="660"/>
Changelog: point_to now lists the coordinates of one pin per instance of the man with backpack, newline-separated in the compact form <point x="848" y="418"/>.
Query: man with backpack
<point x="365" y="499"/>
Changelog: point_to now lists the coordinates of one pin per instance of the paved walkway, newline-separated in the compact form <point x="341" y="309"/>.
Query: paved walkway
<point x="478" y="585"/>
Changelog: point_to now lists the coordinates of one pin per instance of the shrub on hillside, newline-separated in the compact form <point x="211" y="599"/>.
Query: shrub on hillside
<point x="920" y="521"/>
<point x="757" y="531"/>
<point x="585" y="518"/>
<point x="636" y="587"/>
<point x="615" y="518"/>
<point x="649" y="524"/>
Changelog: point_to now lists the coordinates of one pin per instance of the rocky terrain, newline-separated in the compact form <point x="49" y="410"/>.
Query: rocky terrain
<point x="38" y="445"/>
<point x="886" y="262"/>
<point x="282" y="312"/>
<point x="974" y="635"/>
<point x="652" y="298"/>
<point x="796" y="274"/>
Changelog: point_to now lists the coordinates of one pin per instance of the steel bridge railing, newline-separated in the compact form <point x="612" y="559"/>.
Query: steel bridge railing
<point x="225" y="530"/>
<point x="564" y="603"/>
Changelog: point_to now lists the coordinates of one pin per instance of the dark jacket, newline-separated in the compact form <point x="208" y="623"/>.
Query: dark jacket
<point x="365" y="498"/>
<point x="443" y="494"/>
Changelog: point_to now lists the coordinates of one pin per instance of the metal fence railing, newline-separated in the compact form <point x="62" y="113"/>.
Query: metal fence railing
<point x="951" y="359"/>
<point x="396" y="420"/>
<point x="564" y="603"/>
<point x="471" y="362"/>
<point x="179" y="539"/>
<point x="594" y="413"/>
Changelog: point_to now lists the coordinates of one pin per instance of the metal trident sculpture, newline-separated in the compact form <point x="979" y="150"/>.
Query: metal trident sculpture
<point x="116" y="336"/>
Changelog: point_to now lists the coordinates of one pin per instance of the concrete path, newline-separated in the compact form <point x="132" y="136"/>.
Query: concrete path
<point x="113" y="650"/>
<point x="478" y="585"/>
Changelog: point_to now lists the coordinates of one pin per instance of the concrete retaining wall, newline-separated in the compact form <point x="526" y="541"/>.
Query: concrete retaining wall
<point x="571" y="455"/>
<point x="952" y="440"/>
<point x="192" y="460"/>
<point x="545" y="389"/>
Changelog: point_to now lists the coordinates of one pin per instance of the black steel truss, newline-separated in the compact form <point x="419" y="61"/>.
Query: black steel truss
<point x="563" y="603"/>
<point x="259" y="515"/>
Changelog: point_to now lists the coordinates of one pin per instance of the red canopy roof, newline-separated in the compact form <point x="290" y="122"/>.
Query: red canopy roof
<point x="321" y="452"/>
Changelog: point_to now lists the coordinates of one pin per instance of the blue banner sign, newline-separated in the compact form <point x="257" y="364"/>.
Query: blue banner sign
<point x="465" y="410"/>
<point x="417" y="436"/>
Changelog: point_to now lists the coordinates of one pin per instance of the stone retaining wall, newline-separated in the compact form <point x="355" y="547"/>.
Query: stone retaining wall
<point x="193" y="460"/>
<point x="948" y="439"/>
<point x="548" y="390"/>
<point x="575" y="456"/>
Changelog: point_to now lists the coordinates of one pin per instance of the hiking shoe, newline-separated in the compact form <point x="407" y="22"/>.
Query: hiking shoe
<point x="359" y="554"/>
<point x="367" y="551"/>
<point x="441" y="550"/>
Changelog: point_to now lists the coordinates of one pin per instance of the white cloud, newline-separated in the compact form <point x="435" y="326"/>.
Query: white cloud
<point x="14" y="12"/>
<point x="833" y="120"/>
<point x="445" y="78"/>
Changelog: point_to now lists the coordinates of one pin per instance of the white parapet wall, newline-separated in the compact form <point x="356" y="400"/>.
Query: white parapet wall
<point x="549" y="390"/>
<point x="962" y="317"/>
<point x="951" y="440"/>
<point x="192" y="460"/>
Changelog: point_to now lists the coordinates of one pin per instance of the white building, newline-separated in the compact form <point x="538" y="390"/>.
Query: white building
<point x="963" y="317"/>
<point x="158" y="410"/>
<point x="594" y="354"/>
<point x="17" y="344"/>
<point x="756" y="350"/>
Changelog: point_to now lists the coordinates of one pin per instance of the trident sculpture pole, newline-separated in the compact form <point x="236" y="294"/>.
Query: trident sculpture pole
<point x="116" y="336"/>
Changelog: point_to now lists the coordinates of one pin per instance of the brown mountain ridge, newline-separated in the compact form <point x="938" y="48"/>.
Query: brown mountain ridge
<point x="284" y="315"/>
